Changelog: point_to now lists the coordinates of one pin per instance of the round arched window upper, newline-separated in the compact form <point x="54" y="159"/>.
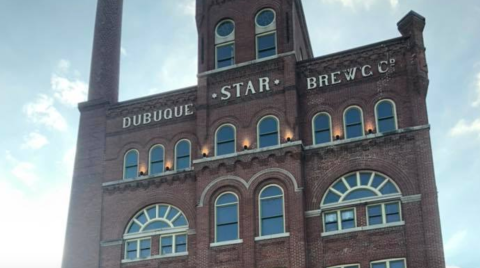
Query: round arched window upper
<point x="265" y="18"/>
<point x="225" y="28"/>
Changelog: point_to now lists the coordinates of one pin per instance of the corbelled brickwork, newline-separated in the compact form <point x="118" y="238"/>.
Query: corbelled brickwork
<point x="292" y="86"/>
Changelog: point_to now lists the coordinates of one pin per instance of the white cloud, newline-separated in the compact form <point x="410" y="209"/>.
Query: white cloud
<point x="177" y="71"/>
<point x="354" y="4"/>
<point x="34" y="141"/>
<point x="42" y="112"/>
<point x="465" y="128"/>
<point x="68" y="91"/>
<point x="25" y="172"/>
<point x="188" y="7"/>
<point x="455" y="242"/>
<point x="476" y="103"/>
<point x="63" y="65"/>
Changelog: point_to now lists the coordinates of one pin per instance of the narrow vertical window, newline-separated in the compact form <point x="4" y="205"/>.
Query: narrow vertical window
<point x="271" y="211"/>
<point x="157" y="155"/>
<point x="322" y="132"/>
<point x="266" y="33"/>
<point x="386" y="116"/>
<point x="182" y="153"/>
<point x="131" y="165"/>
<point x="268" y="132"/>
<point x="225" y="44"/>
<point x="353" y="119"/>
<point x="225" y="140"/>
<point x="226" y="218"/>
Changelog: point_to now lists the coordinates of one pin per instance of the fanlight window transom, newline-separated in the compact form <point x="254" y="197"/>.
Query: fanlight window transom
<point x="358" y="185"/>
<point x="157" y="217"/>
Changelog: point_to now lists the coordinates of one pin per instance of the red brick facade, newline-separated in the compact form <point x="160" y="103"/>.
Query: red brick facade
<point x="103" y="204"/>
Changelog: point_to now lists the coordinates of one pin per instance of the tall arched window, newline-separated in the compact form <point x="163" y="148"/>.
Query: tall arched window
<point x="166" y="222"/>
<point x="266" y="33"/>
<point x="182" y="155"/>
<point x="353" y="120"/>
<point x="226" y="218"/>
<point x="268" y="132"/>
<point x="225" y="44"/>
<point x="225" y="140"/>
<point x="157" y="160"/>
<point x="271" y="211"/>
<point x="130" y="165"/>
<point x="341" y="200"/>
<point x="386" y="116"/>
<point x="322" y="131"/>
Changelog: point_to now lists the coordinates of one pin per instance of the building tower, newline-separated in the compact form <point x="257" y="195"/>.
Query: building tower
<point x="276" y="158"/>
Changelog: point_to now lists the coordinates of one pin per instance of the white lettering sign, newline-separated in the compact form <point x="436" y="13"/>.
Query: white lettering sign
<point x="157" y="116"/>
<point x="243" y="89"/>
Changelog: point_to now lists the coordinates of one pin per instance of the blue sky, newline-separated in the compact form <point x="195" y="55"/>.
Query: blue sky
<point x="45" y="51"/>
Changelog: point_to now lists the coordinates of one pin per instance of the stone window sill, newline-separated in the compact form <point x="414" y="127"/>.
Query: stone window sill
<point x="267" y="237"/>
<point x="226" y="243"/>
<point x="363" y="228"/>
<point x="157" y="257"/>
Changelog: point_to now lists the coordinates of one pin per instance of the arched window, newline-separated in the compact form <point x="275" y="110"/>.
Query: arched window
<point x="166" y="221"/>
<point x="226" y="218"/>
<point x="266" y="33"/>
<point x="225" y="140"/>
<point x="157" y="157"/>
<point x="225" y="44"/>
<point x="268" y="132"/>
<point x="386" y="116"/>
<point x="322" y="131"/>
<point x="353" y="120"/>
<point x="363" y="185"/>
<point x="271" y="211"/>
<point x="182" y="155"/>
<point x="130" y="169"/>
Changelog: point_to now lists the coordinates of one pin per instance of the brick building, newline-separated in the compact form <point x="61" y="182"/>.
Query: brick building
<point x="276" y="158"/>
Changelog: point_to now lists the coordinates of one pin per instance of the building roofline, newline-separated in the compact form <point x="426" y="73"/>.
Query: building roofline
<point x="154" y="96"/>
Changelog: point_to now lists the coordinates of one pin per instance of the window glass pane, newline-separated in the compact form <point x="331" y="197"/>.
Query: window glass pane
<point x="225" y="28"/>
<point x="152" y="212"/>
<point x="181" y="239"/>
<point x="142" y="218"/>
<point x="353" y="116"/>
<point x="227" y="232"/>
<point x="227" y="199"/>
<point x="265" y="18"/>
<point x="268" y="140"/>
<point x="389" y="188"/>
<point x="331" y="223"/>
<point x="384" y="109"/>
<point x="268" y="125"/>
<point x="156" y="225"/>
<point x="134" y="228"/>
<point x="397" y="264"/>
<point x="348" y="224"/>
<point x="272" y="207"/>
<point x="331" y="217"/>
<point x="357" y="194"/>
<point x="156" y="168"/>
<point x="131" y="158"/>
<point x="145" y="248"/>
<point x="180" y="221"/>
<point x="329" y="227"/>
<point x="272" y="226"/>
<point x="365" y="178"/>
<point x="392" y="208"/>
<point x="340" y="186"/>
<point x="161" y="211"/>
<point x="226" y="148"/>
<point x="131" y="245"/>
<point x="173" y="212"/>
<point x="156" y="154"/>
<point x="225" y="52"/>
<point x="271" y="191"/>
<point x="322" y="137"/>
<point x="393" y="218"/>
<point x="131" y="172"/>
<point x="145" y="253"/>
<point x="183" y="163"/>
<point x="379" y="265"/>
<point x="226" y="133"/>
<point x="386" y="125"/>
<point x="377" y="180"/>
<point x="331" y="198"/>
<point x="348" y="219"/>
<point x="375" y="215"/>
<point x="352" y="180"/>
<point x="227" y="214"/>
<point x="322" y="122"/>
<point x="167" y="241"/>
<point x="354" y="131"/>
<point x="183" y="148"/>
<point x="266" y="45"/>
<point x="167" y="250"/>
<point x="131" y="255"/>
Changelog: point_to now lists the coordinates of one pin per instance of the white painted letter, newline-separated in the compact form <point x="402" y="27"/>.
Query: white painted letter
<point x="323" y="80"/>
<point x="188" y="110"/>
<point x="350" y="73"/>
<point x="380" y="68"/>
<point x="177" y="112"/>
<point x="157" y="115"/>
<point x="250" y="88"/>
<point x="237" y="87"/>
<point x="335" y="78"/>
<point x="226" y="94"/>
<point x="127" y="122"/>
<point x="137" y="122"/>
<point x="264" y="84"/>
<point x="167" y="114"/>
<point x="147" y="118"/>
<point x="364" y="71"/>
<point x="311" y="83"/>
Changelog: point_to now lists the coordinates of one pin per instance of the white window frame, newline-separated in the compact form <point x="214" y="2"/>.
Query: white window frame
<point x="346" y="265"/>
<point x="384" y="214"/>
<point x="258" y="131"/>
<point x="395" y="116"/>
<point x="234" y="138"/>
<point x="189" y="156"/>
<point x="138" y="241"/>
<point x="339" y="219"/>
<point x="150" y="159"/>
<point x="125" y="163"/>
<point x="266" y="30"/>
<point x="345" y="121"/>
<point x="260" y="209"/>
<point x="174" y="244"/>
<point x="238" y="217"/>
<point x="224" y="41"/>
<point x="314" y="137"/>
<point x="387" y="261"/>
